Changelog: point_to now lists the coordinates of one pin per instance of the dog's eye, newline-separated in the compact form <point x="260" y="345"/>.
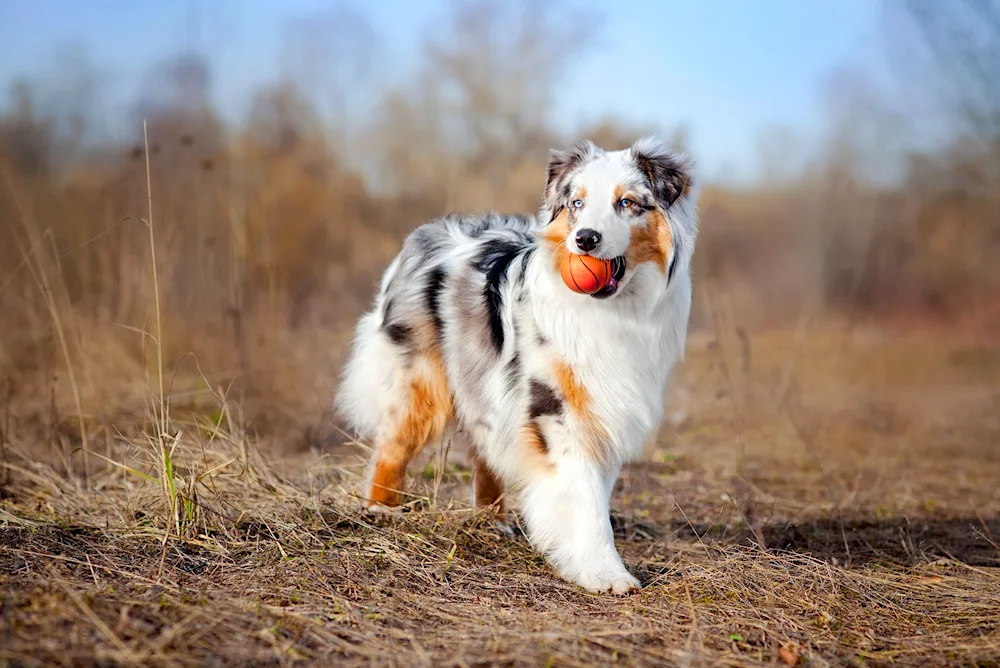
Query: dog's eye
<point x="625" y="203"/>
<point x="577" y="203"/>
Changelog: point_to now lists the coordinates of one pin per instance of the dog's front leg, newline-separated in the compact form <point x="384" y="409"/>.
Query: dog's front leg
<point x="567" y="512"/>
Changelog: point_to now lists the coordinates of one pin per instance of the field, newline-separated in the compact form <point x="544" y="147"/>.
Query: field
<point x="177" y="297"/>
<point x="819" y="496"/>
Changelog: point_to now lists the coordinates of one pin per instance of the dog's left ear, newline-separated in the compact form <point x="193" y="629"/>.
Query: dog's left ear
<point x="669" y="173"/>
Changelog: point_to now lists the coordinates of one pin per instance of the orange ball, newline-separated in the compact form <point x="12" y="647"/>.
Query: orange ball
<point x="585" y="274"/>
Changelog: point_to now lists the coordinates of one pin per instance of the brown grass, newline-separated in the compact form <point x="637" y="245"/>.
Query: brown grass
<point x="842" y="534"/>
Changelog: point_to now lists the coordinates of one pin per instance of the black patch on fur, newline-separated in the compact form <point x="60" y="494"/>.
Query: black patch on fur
<point x="432" y="297"/>
<point x="667" y="176"/>
<point x="521" y="277"/>
<point x="493" y="261"/>
<point x="543" y="400"/>
<point x="673" y="263"/>
<point x="399" y="333"/>
<point x="513" y="371"/>
<point x="524" y="263"/>
<point x="561" y="165"/>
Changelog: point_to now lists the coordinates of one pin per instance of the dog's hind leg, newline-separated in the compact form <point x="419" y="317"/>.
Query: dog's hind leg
<point x="415" y="415"/>
<point x="488" y="491"/>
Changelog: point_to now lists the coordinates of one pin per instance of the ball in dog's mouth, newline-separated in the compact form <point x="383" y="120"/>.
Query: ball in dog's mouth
<point x="617" y="273"/>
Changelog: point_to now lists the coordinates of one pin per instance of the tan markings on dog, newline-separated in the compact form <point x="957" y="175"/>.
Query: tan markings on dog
<point x="619" y="193"/>
<point x="425" y="336"/>
<point x="535" y="447"/>
<point x="535" y="439"/>
<point x="387" y="483"/>
<point x="427" y="412"/>
<point x="488" y="489"/>
<point x="574" y="393"/>
<point x="651" y="242"/>
<point x="555" y="234"/>
<point x="581" y="193"/>
<point x="578" y="399"/>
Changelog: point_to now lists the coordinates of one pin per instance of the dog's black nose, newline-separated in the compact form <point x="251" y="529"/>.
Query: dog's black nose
<point x="587" y="240"/>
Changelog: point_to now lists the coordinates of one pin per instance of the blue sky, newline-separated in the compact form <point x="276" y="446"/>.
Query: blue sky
<point x="725" y="68"/>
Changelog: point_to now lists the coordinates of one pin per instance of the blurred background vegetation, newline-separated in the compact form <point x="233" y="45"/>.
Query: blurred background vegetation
<point x="272" y="226"/>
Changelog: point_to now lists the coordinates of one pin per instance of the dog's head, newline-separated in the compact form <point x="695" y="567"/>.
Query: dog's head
<point x="632" y="207"/>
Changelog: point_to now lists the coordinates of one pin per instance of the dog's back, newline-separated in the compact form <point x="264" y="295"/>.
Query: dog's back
<point x="442" y="298"/>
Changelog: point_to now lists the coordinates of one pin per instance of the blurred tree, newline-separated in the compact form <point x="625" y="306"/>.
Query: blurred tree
<point x="950" y="56"/>
<point x="70" y="94"/>
<point x="484" y="97"/>
<point x="176" y="103"/>
<point x="952" y="51"/>
<point x="180" y="82"/>
<point x="282" y="119"/>
<point x="779" y="150"/>
<point x="57" y="112"/>
<point x="26" y="138"/>
<point x="331" y="58"/>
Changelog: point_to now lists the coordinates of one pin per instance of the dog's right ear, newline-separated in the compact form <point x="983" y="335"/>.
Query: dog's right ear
<point x="561" y="165"/>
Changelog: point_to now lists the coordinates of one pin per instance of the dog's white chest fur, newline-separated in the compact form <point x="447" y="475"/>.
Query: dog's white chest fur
<point x="623" y="361"/>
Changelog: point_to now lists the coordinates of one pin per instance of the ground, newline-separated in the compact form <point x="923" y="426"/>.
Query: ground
<point x="812" y="499"/>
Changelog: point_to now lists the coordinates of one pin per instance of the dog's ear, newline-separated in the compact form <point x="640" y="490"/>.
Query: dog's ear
<point x="669" y="174"/>
<point x="561" y="165"/>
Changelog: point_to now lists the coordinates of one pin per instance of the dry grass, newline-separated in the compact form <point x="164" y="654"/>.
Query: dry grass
<point x="876" y="506"/>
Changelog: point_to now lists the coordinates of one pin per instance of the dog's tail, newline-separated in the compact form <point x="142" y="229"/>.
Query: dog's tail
<point x="371" y="370"/>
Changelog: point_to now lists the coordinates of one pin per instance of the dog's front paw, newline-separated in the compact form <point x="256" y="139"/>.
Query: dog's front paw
<point x="375" y="508"/>
<point x="617" y="582"/>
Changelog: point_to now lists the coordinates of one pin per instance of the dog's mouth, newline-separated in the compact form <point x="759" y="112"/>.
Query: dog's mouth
<point x="617" y="273"/>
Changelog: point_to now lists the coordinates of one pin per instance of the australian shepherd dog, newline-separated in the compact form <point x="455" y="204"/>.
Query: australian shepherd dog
<point x="474" y="330"/>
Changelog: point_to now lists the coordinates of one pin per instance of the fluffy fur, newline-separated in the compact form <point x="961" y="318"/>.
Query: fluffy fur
<point x="474" y="330"/>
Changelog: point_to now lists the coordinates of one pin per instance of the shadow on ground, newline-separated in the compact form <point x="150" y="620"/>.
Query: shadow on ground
<point x="902" y="541"/>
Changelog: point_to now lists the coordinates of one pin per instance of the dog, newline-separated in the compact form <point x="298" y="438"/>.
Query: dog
<point x="473" y="329"/>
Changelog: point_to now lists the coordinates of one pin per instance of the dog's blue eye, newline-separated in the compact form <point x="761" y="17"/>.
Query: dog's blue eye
<point x="625" y="203"/>
<point x="577" y="203"/>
